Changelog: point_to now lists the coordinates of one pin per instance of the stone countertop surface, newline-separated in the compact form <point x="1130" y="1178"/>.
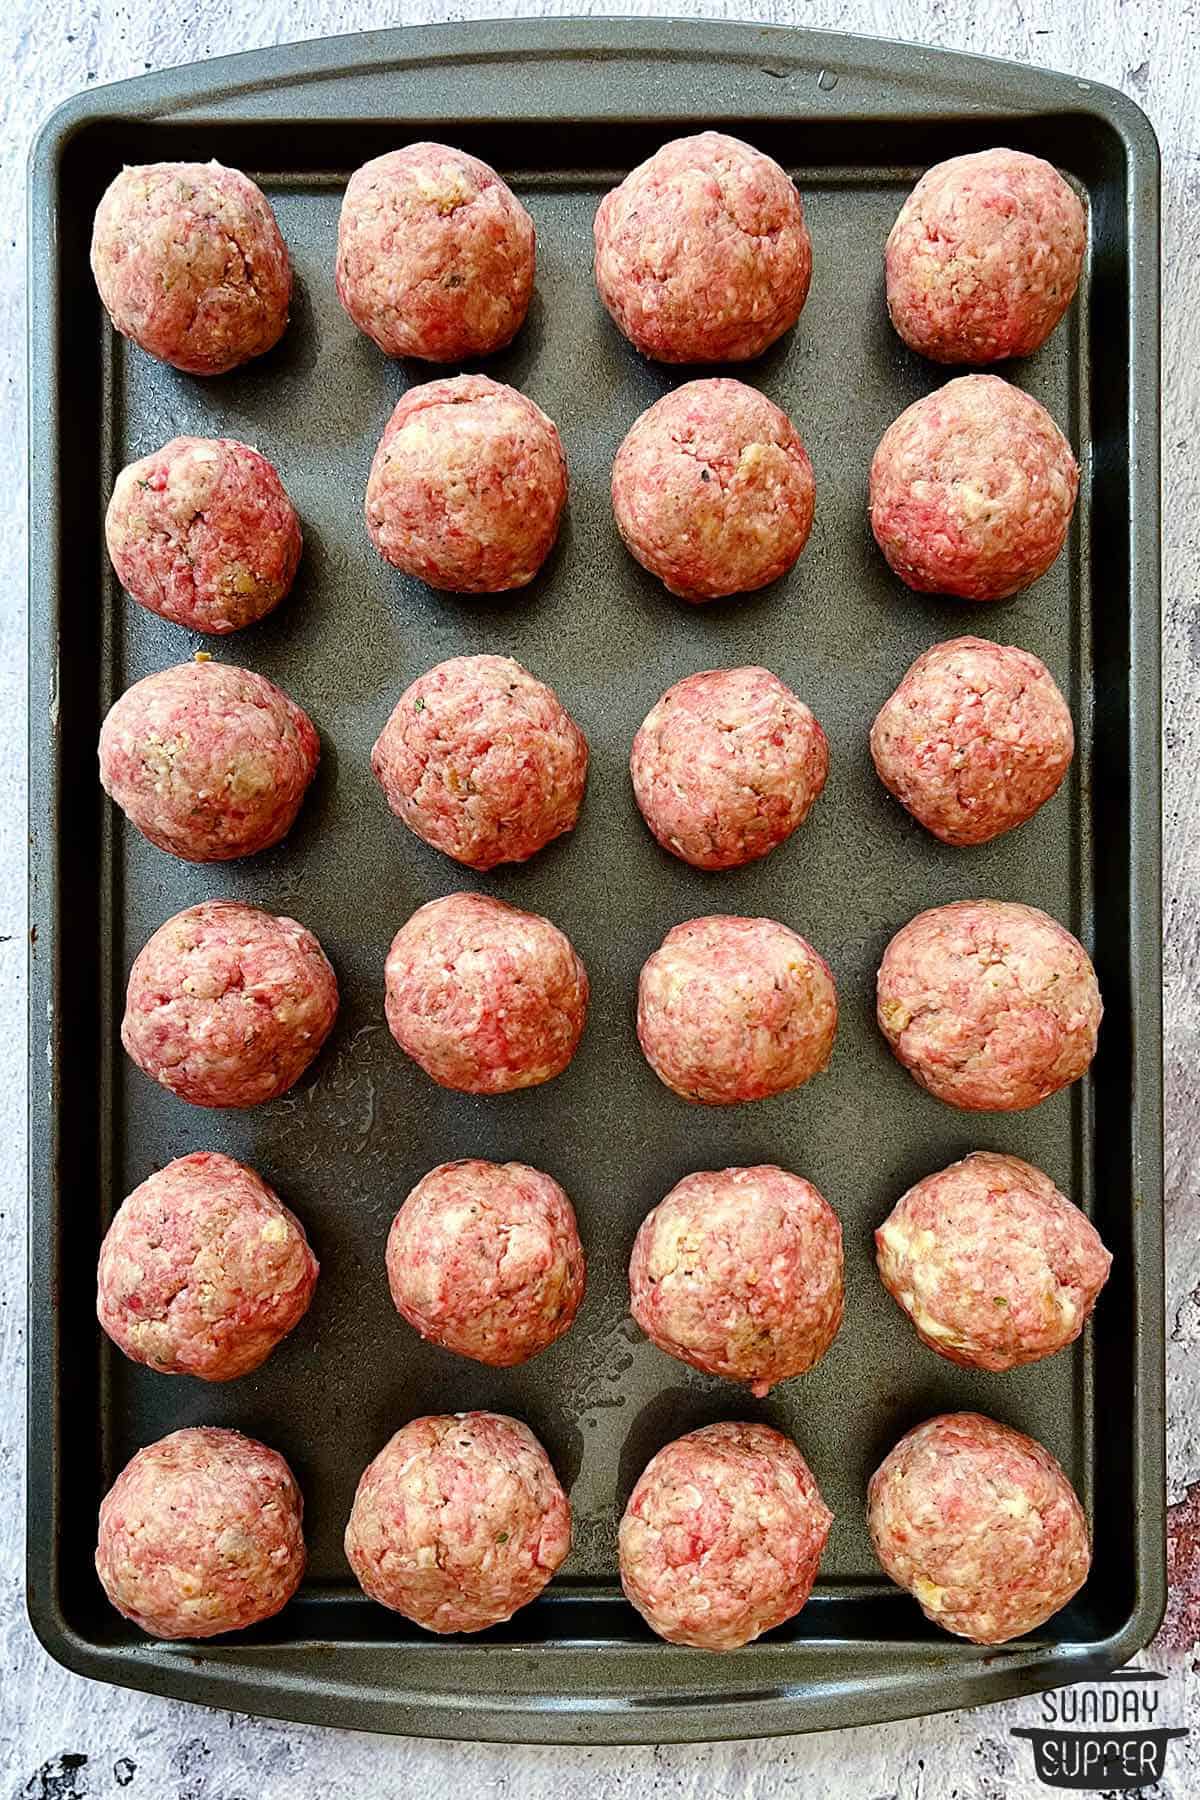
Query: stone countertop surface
<point x="62" y="1738"/>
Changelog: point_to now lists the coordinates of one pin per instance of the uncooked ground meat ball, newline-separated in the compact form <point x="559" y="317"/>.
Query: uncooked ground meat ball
<point x="722" y="1537"/>
<point x="484" y="997"/>
<point x="991" y="1263"/>
<point x="972" y="490"/>
<point x="458" y="1522"/>
<point x="484" y="1258"/>
<point x="227" y="1005"/>
<point x="726" y="766"/>
<point x="435" y="254"/>
<point x="739" y="1272"/>
<point x="203" y="1270"/>
<point x="467" y="487"/>
<point x="990" y="1005"/>
<point x="201" y="1533"/>
<point x="974" y="740"/>
<point x="984" y="257"/>
<point x="190" y="264"/>
<point x="981" y="1526"/>
<point x="713" y="490"/>
<point x="209" y="762"/>
<point x="483" y="761"/>
<point x="702" y="254"/>
<point x="202" y="533"/>
<point x="735" y="1009"/>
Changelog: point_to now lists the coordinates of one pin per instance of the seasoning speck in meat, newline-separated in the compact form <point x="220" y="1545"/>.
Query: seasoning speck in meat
<point x="992" y="1006"/>
<point x="435" y="254"/>
<point x="722" y="1537"/>
<point x="190" y="264"/>
<point x="458" y="1522"/>
<point x="208" y="761"/>
<point x="727" y="765"/>
<point x="200" y="1534"/>
<point x="981" y="1526"/>
<point x="485" y="997"/>
<point x="992" y="1264"/>
<point x="972" y="490"/>
<point x="484" y="1258"/>
<point x="734" y="1009"/>
<point x="739" y="1273"/>
<point x="203" y="533"/>
<point x="203" y="1270"/>
<point x="483" y="761"/>
<point x="702" y="253"/>
<point x="228" y="1005"/>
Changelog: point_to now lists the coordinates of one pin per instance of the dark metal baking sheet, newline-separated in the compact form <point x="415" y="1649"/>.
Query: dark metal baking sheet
<point x="564" y="110"/>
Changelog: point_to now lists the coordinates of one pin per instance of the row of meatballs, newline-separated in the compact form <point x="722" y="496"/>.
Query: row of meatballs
<point x="460" y="1520"/>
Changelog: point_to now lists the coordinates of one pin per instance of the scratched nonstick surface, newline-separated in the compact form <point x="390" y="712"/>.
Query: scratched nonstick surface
<point x="345" y="1146"/>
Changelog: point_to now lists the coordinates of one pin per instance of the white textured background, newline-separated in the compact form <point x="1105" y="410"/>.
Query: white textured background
<point x="62" y="1738"/>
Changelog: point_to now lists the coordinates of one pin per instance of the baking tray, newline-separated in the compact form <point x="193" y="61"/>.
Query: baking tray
<point x="564" y="110"/>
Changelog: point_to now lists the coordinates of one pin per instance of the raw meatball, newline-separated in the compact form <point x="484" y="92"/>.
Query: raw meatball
<point x="435" y="254"/>
<point x="722" y="1536"/>
<point x="227" y="1005"/>
<point x="702" y="254"/>
<point x="190" y="264"/>
<point x="972" y="490"/>
<point x="483" y="761"/>
<point x="974" y="740"/>
<point x="485" y="997"/>
<point x="991" y="1263"/>
<point x="467" y="487"/>
<point x="739" y="1272"/>
<point x="202" y="533"/>
<point x="713" y="490"/>
<point x="735" y="1009"/>
<point x="985" y="257"/>
<point x="459" y="1521"/>
<point x="484" y="1258"/>
<point x="990" y="1005"/>
<point x="209" y="762"/>
<point x="980" y="1524"/>
<point x="726" y="766"/>
<point x="200" y="1533"/>
<point x="203" y="1270"/>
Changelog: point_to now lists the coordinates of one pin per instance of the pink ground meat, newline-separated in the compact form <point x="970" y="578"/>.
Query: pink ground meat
<point x="484" y="997"/>
<point x="702" y="253"/>
<point x="981" y="1526"/>
<point x="227" y="1005"/>
<point x="435" y="254"/>
<point x="203" y="1270"/>
<point x="727" y="765"/>
<point x="484" y="1258"/>
<point x="991" y="1263"/>
<point x="202" y="533"/>
<point x="735" y="1009"/>
<point x="483" y="761"/>
<point x="200" y="1534"/>
<point x="739" y="1273"/>
<point x="208" y="761"/>
<point x="713" y="490"/>
<point x="990" y="1005"/>
<point x="458" y="1522"/>
<point x="722" y="1537"/>
<point x="467" y="487"/>
<point x="972" y="490"/>
<point x="985" y="257"/>
<point x="190" y="264"/>
<point x="974" y="740"/>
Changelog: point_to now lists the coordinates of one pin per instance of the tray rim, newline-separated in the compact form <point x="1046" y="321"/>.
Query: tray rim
<point x="985" y="87"/>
